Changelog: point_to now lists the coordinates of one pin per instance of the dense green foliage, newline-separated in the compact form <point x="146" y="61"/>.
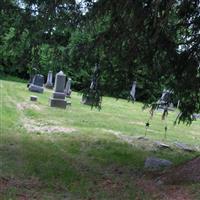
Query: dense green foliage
<point x="156" y="43"/>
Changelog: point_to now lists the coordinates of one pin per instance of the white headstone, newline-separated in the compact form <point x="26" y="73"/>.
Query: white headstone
<point x="133" y="90"/>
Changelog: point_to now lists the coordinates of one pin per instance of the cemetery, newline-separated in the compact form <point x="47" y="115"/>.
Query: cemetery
<point x="99" y="100"/>
<point x="71" y="146"/>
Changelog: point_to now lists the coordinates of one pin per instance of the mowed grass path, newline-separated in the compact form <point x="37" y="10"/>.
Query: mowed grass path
<point x="89" y="163"/>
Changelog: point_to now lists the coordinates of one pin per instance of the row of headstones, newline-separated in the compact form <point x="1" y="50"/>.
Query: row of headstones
<point x="37" y="82"/>
<point x="61" y="90"/>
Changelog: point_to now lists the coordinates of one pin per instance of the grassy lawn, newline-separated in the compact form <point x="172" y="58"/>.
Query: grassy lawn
<point x="91" y="158"/>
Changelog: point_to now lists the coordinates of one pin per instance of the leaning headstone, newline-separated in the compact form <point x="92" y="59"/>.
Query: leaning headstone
<point x="37" y="84"/>
<point x="32" y="73"/>
<point x="58" y="99"/>
<point x="183" y="147"/>
<point x="153" y="164"/>
<point x="68" y="90"/>
<point x="33" y="98"/>
<point x="88" y="99"/>
<point x="133" y="90"/>
<point x="49" y="83"/>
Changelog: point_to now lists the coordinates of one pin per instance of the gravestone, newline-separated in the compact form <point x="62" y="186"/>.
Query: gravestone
<point x="37" y="84"/>
<point x="162" y="145"/>
<point x="33" y="98"/>
<point x="166" y="100"/>
<point x="68" y="90"/>
<point x="88" y="99"/>
<point x="58" y="98"/>
<point x="183" y="147"/>
<point x="49" y="83"/>
<point x="33" y="72"/>
<point x="133" y="90"/>
<point x="153" y="164"/>
<point x="196" y="116"/>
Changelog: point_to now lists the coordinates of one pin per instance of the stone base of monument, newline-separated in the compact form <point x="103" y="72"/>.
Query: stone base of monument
<point x="35" y="88"/>
<point x="58" y="95"/>
<point x="59" y="103"/>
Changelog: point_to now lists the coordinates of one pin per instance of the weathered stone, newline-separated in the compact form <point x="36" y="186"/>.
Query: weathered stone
<point x="183" y="147"/>
<point x="35" y="88"/>
<point x="33" y="98"/>
<point x="142" y="138"/>
<point x="87" y="100"/>
<point x="153" y="163"/>
<point x="58" y="95"/>
<point x="58" y="99"/>
<point x="37" y="84"/>
<point x="133" y="90"/>
<point x="68" y="90"/>
<point x="49" y="83"/>
<point x="60" y="103"/>
<point x="162" y="145"/>
<point x="60" y="82"/>
<point x="196" y="116"/>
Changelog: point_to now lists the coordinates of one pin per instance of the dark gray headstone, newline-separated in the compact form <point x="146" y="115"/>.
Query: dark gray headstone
<point x="38" y="80"/>
<point x="153" y="163"/>
<point x="37" y="84"/>
<point x="60" y="82"/>
<point x="58" y="99"/>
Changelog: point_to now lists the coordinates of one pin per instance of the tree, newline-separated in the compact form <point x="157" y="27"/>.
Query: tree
<point x="154" y="42"/>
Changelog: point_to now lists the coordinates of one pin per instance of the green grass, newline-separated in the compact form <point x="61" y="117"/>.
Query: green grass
<point x="76" y="165"/>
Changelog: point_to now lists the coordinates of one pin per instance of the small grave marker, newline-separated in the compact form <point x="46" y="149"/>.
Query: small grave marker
<point x="33" y="98"/>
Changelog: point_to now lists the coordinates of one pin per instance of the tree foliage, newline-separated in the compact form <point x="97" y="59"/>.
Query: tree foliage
<point x="155" y="42"/>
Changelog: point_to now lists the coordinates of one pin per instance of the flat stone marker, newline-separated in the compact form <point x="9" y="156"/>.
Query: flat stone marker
<point x="153" y="164"/>
<point x="37" y="84"/>
<point x="162" y="145"/>
<point x="49" y="83"/>
<point x="68" y="90"/>
<point x="33" y="98"/>
<point x="142" y="138"/>
<point x="58" y="99"/>
<point x="183" y="147"/>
